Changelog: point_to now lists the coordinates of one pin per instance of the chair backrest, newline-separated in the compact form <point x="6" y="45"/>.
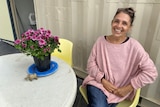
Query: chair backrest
<point x="66" y="48"/>
<point x="125" y="103"/>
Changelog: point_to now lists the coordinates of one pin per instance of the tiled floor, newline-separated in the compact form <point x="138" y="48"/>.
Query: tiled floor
<point x="7" y="48"/>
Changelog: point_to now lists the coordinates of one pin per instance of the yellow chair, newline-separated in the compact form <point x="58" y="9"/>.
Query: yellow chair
<point x="66" y="51"/>
<point x="125" y="103"/>
<point x="83" y="91"/>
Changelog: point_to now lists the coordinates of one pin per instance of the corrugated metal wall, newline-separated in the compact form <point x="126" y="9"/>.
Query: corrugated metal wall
<point x="82" y="21"/>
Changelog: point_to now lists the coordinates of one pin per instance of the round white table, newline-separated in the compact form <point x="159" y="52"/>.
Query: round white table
<point x="56" y="90"/>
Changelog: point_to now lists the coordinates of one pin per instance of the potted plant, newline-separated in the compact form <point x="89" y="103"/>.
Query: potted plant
<point x="38" y="43"/>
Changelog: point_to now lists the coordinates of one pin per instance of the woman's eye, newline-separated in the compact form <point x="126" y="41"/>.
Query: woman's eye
<point x="124" y="23"/>
<point x="116" y="21"/>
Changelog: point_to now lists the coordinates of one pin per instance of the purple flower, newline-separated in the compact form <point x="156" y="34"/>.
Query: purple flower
<point x="18" y="41"/>
<point x="28" y="38"/>
<point x="41" y="42"/>
<point x="37" y="43"/>
<point x="34" y="37"/>
<point x="48" y="32"/>
<point x="46" y="50"/>
<point x="56" y="39"/>
<point x="24" y="45"/>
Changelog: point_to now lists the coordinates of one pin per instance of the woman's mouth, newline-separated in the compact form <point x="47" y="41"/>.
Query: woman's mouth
<point x="118" y="30"/>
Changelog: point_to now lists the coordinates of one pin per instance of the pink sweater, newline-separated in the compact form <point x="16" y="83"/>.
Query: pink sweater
<point x="121" y="64"/>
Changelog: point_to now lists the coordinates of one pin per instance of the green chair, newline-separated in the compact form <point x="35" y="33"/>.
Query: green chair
<point x="66" y="48"/>
<point x="125" y="103"/>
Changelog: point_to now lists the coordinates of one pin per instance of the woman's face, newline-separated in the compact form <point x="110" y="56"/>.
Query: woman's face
<point x="121" y="24"/>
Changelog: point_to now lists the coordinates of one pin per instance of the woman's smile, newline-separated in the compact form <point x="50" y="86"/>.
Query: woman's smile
<point x="121" y="25"/>
<point x="117" y="30"/>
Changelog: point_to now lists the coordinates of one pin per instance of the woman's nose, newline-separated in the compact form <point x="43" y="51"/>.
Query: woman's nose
<point x="119" y="24"/>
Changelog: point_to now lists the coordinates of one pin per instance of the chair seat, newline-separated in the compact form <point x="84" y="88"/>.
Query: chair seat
<point x="125" y="103"/>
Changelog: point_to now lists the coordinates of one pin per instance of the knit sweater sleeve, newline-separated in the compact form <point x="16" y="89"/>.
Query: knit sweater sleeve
<point x="92" y="66"/>
<point x="147" y="72"/>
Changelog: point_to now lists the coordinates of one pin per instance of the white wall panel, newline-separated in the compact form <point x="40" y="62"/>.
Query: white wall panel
<point x="5" y="28"/>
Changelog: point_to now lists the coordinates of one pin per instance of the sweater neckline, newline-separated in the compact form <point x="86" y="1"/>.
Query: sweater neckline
<point x="123" y="43"/>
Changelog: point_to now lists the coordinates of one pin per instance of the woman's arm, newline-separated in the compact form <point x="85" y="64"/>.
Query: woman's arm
<point x="147" y="72"/>
<point x="92" y="65"/>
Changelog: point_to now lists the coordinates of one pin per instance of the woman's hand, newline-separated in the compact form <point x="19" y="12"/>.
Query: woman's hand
<point x="123" y="91"/>
<point x="108" y="86"/>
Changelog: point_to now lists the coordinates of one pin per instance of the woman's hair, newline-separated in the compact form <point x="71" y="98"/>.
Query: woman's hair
<point x="130" y="11"/>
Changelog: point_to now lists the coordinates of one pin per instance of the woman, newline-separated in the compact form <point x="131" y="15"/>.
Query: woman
<point x="118" y="65"/>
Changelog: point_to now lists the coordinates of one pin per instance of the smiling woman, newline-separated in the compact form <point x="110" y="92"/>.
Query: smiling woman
<point x="117" y="65"/>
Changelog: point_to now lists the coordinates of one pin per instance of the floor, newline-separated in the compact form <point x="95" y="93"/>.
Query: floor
<point x="7" y="48"/>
